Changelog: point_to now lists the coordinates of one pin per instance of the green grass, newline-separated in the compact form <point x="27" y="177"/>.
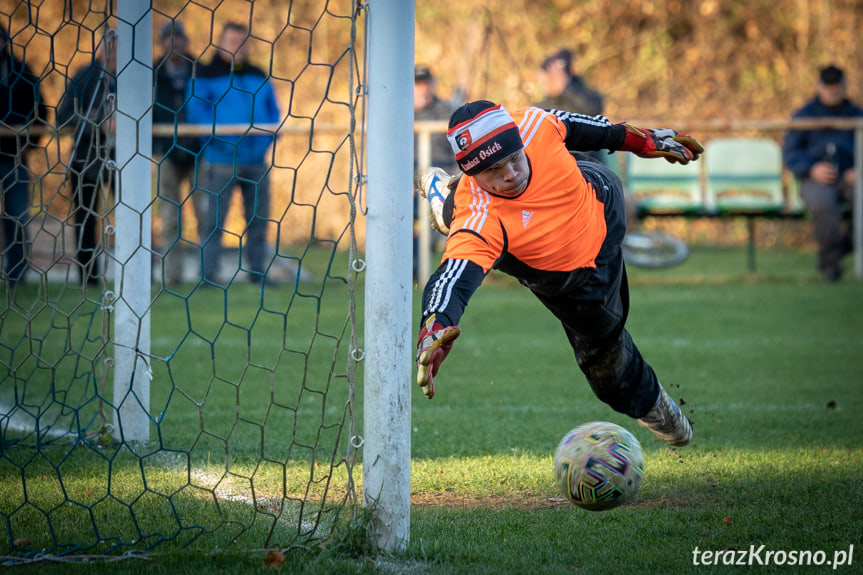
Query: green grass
<point x="769" y="367"/>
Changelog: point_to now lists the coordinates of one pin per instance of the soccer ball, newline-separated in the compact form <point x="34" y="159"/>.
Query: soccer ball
<point x="598" y="465"/>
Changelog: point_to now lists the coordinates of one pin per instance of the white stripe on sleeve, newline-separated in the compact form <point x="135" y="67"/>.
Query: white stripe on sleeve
<point x="443" y="286"/>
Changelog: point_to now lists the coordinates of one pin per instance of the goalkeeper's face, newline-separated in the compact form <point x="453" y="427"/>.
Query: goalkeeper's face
<point x="508" y="177"/>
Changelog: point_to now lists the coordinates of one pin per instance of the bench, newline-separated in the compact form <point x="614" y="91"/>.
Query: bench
<point x="736" y="177"/>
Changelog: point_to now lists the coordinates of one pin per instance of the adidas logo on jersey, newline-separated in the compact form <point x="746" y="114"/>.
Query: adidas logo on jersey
<point x="525" y="217"/>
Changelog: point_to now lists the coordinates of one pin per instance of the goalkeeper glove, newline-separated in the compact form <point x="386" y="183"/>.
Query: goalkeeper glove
<point x="433" y="345"/>
<point x="663" y="143"/>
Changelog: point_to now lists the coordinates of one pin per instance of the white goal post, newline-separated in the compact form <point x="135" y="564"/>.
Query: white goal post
<point x="131" y="299"/>
<point x="388" y="294"/>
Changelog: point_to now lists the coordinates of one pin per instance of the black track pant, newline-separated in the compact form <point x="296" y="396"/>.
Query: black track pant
<point x="594" y="315"/>
<point x="88" y="184"/>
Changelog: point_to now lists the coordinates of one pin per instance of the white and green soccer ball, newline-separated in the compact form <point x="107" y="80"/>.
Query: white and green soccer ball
<point x="598" y="465"/>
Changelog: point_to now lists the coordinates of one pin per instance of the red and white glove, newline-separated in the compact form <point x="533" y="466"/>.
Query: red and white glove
<point x="433" y="345"/>
<point x="663" y="143"/>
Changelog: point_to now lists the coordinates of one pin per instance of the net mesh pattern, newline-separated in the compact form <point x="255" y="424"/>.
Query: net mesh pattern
<point x="251" y="367"/>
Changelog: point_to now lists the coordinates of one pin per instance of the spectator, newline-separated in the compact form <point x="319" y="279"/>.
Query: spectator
<point x="21" y="105"/>
<point x="564" y="90"/>
<point x="428" y="106"/>
<point x="87" y="105"/>
<point x="173" y="72"/>
<point x="823" y="161"/>
<point x="230" y="90"/>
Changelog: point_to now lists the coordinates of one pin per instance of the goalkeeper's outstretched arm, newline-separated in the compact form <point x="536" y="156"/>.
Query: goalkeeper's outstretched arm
<point x="448" y="290"/>
<point x="588" y="133"/>
<point x="444" y="299"/>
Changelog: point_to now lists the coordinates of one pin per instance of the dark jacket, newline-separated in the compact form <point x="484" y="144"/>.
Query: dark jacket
<point x="803" y="148"/>
<point x="577" y="97"/>
<point x="441" y="152"/>
<point x="20" y="103"/>
<point x="85" y="105"/>
<point x="170" y="97"/>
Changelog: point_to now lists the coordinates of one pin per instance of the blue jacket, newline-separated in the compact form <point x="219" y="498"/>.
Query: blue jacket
<point x="220" y="94"/>
<point x="803" y="148"/>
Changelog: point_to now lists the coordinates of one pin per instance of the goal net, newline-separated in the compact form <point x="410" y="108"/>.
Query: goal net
<point x="178" y="325"/>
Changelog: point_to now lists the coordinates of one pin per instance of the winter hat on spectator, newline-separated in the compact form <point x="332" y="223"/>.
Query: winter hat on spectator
<point x="422" y="74"/>
<point x="831" y="75"/>
<point x="482" y="134"/>
<point x="562" y="56"/>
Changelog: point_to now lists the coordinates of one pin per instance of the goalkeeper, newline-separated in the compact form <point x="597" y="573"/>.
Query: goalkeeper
<point x="530" y="208"/>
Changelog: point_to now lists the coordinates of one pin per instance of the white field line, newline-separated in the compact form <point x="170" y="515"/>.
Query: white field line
<point x="14" y="418"/>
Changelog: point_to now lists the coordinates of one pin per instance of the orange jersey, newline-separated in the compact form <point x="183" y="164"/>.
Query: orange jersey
<point x="557" y="224"/>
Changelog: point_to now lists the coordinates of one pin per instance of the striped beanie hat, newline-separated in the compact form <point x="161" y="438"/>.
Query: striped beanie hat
<point x="482" y="134"/>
